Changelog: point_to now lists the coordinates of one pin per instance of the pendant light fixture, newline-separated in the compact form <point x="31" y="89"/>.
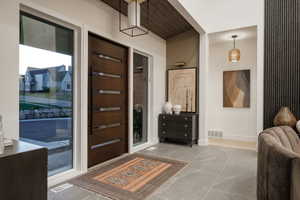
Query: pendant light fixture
<point x="134" y="27"/>
<point x="234" y="54"/>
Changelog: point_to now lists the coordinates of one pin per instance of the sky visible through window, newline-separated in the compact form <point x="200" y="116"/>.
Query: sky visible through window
<point x="40" y="58"/>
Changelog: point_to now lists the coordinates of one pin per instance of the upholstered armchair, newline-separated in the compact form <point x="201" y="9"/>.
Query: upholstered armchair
<point x="278" y="172"/>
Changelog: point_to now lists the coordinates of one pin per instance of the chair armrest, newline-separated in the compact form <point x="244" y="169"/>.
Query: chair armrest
<point x="295" y="187"/>
<point x="274" y="170"/>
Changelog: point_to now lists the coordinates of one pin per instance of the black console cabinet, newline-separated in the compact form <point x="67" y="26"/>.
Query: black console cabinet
<point x="23" y="172"/>
<point x="180" y="128"/>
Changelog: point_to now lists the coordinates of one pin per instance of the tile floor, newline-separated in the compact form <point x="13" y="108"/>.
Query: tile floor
<point x="213" y="173"/>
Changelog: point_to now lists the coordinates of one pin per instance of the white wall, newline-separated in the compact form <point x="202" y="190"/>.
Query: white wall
<point x="9" y="67"/>
<point x="216" y="15"/>
<point x="238" y="124"/>
<point x="89" y="14"/>
<point x="260" y="66"/>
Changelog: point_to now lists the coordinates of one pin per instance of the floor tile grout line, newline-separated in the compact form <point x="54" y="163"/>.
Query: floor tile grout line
<point x="219" y="175"/>
<point x="226" y="164"/>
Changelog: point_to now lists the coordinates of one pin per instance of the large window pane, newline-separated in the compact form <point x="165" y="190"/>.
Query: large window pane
<point x="46" y="89"/>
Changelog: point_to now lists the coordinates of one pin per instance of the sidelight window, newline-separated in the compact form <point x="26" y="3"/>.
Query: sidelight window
<point x="140" y="100"/>
<point x="46" y="89"/>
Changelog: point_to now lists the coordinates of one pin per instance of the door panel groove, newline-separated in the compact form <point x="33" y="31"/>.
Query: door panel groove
<point x="105" y="144"/>
<point x="109" y="109"/>
<point x="108" y="126"/>
<point x="110" y="58"/>
<point x="107" y="75"/>
<point x="109" y="92"/>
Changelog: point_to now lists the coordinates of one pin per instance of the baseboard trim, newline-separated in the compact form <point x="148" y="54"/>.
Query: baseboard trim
<point x="62" y="177"/>
<point x="203" y="142"/>
<point x="142" y="147"/>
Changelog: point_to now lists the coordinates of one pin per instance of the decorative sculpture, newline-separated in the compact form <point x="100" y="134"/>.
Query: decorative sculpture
<point x="285" y="118"/>
<point x="177" y="109"/>
<point x="168" y="108"/>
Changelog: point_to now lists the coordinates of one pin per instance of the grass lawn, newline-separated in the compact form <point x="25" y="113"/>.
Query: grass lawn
<point x="36" y="106"/>
<point x="67" y="96"/>
<point x="27" y="106"/>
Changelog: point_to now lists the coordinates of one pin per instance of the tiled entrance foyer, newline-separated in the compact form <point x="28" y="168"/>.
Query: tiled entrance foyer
<point x="213" y="173"/>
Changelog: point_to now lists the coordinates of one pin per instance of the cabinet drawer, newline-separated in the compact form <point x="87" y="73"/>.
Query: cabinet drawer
<point x="180" y="135"/>
<point x="176" y="122"/>
<point x="181" y="127"/>
<point x="175" y="118"/>
<point x="171" y="133"/>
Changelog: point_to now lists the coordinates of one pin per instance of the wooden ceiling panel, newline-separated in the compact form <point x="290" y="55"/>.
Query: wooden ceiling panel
<point x="164" y="20"/>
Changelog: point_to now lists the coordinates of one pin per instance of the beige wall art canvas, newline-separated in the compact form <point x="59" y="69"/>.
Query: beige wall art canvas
<point x="182" y="88"/>
<point x="236" y="89"/>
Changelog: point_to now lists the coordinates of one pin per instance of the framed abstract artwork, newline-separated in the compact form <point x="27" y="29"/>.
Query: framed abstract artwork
<point x="182" y="88"/>
<point x="236" y="89"/>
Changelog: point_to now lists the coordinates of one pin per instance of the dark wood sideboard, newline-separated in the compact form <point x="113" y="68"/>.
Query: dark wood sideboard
<point x="23" y="172"/>
<point x="180" y="128"/>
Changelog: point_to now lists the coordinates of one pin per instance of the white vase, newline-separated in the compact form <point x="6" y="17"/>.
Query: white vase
<point x="168" y="108"/>
<point x="177" y="109"/>
<point x="298" y="126"/>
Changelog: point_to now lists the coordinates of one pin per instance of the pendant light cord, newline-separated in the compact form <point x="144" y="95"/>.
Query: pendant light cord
<point x="234" y="38"/>
<point x="234" y="43"/>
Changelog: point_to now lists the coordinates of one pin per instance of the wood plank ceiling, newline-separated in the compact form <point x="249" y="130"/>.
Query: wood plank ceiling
<point x="164" y="20"/>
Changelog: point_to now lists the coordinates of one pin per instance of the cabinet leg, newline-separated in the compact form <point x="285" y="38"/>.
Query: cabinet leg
<point x="191" y="144"/>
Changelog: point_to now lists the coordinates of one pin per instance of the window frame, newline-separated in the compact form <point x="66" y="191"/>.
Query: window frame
<point x="77" y="125"/>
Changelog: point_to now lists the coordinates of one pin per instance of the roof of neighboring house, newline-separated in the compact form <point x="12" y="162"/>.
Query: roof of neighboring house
<point x="38" y="71"/>
<point x="31" y="68"/>
<point x="52" y="70"/>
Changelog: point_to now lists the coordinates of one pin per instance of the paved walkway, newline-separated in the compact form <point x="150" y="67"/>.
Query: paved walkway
<point x="49" y="145"/>
<point x="46" y="130"/>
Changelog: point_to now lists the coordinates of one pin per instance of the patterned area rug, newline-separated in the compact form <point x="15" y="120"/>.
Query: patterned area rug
<point x="133" y="177"/>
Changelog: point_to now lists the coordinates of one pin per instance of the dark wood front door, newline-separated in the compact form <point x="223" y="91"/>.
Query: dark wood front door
<point x="108" y="92"/>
